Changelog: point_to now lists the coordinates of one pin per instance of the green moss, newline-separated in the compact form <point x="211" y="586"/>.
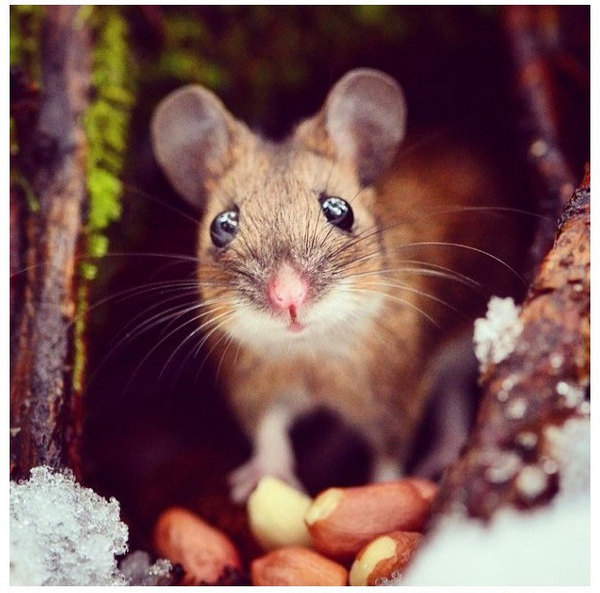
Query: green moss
<point x="79" y="350"/>
<point x="107" y="118"/>
<point x="18" y="180"/>
<point x="25" y="28"/>
<point x="183" y="53"/>
<point x="371" y="14"/>
<point x="106" y="124"/>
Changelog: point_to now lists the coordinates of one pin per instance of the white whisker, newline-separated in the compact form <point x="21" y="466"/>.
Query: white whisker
<point x="395" y="298"/>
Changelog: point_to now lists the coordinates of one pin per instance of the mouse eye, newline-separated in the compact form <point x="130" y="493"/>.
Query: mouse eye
<point x="224" y="228"/>
<point x="337" y="211"/>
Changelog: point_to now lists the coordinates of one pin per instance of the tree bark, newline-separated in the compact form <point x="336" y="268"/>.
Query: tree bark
<point x="45" y="242"/>
<point x="542" y="382"/>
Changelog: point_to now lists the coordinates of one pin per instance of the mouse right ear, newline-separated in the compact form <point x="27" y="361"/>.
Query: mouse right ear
<point x="192" y="139"/>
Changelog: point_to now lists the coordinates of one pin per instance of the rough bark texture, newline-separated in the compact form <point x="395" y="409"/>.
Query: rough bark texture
<point x="542" y="382"/>
<point x="45" y="242"/>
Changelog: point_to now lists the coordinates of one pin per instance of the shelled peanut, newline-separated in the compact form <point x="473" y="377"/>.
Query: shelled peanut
<point x="374" y="528"/>
<point x="295" y="565"/>
<point x="426" y="488"/>
<point x="383" y="558"/>
<point x="341" y="521"/>
<point x="276" y="514"/>
<point x="205" y="553"/>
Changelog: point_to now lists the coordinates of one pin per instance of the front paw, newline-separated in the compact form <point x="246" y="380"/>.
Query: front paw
<point x="244" y="479"/>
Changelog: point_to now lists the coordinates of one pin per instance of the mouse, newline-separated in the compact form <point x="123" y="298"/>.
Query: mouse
<point x="332" y="266"/>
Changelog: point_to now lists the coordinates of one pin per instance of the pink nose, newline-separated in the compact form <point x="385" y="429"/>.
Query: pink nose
<point x="287" y="288"/>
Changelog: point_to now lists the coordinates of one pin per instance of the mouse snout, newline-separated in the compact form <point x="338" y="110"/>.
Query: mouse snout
<point x="287" y="289"/>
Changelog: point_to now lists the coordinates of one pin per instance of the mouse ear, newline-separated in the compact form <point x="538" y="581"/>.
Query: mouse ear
<point x="364" y="120"/>
<point x="192" y="139"/>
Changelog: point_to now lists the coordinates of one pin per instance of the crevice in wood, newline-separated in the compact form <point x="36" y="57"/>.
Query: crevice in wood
<point x="529" y="30"/>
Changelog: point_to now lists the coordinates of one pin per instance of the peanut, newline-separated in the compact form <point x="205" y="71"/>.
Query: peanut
<point x="204" y="552"/>
<point x="341" y="521"/>
<point x="276" y="514"/>
<point x="296" y="566"/>
<point x="383" y="558"/>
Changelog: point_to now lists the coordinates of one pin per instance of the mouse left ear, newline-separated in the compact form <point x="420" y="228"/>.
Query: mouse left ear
<point x="362" y="122"/>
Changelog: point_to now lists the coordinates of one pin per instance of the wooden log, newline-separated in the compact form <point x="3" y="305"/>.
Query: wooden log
<point x="542" y="382"/>
<point x="54" y="156"/>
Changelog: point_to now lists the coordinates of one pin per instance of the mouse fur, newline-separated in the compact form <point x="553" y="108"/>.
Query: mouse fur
<point x="381" y="298"/>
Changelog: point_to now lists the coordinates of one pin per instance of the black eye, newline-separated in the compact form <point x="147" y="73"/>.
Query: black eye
<point x="337" y="212"/>
<point x="224" y="228"/>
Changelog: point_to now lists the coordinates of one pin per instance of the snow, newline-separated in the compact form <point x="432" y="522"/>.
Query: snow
<point x="570" y="448"/>
<point x="139" y="570"/>
<point x="64" y="534"/>
<point x="495" y="334"/>
<point x="546" y="546"/>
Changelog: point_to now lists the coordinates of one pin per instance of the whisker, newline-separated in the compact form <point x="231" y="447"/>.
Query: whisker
<point x="420" y="293"/>
<point x="194" y="332"/>
<point x="135" y="190"/>
<point x="137" y="291"/>
<point x="173" y="313"/>
<point x="87" y="256"/>
<point x="157" y="345"/>
<point x="126" y="335"/>
<point x="502" y="209"/>
<point x="468" y="248"/>
<point x="185" y="289"/>
<point x="394" y="298"/>
<point x="207" y="337"/>
<point x="222" y="358"/>
<point x="194" y="350"/>
<point x="436" y="271"/>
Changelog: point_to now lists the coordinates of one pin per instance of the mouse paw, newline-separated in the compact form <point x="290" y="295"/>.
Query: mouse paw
<point x="386" y="469"/>
<point x="243" y="480"/>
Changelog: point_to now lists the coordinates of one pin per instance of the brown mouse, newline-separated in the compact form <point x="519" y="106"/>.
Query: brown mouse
<point x="331" y="266"/>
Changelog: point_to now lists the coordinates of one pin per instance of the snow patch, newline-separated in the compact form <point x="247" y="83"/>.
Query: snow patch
<point x="569" y="446"/>
<point x="495" y="334"/>
<point x="546" y="546"/>
<point x="139" y="570"/>
<point x="64" y="534"/>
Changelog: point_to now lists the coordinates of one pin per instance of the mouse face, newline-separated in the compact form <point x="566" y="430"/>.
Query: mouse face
<point x="286" y="244"/>
<point x="289" y="243"/>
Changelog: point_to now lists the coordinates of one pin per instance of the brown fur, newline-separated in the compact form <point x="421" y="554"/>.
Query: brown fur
<point x="379" y="384"/>
<point x="373" y="372"/>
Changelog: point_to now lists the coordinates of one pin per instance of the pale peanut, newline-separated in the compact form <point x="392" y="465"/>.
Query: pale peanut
<point x="276" y="514"/>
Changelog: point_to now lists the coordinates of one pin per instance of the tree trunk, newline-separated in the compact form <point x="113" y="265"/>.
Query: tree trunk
<point x="44" y="243"/>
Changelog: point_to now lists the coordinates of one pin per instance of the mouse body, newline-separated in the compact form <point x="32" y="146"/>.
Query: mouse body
<point x="331" y="266"/>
